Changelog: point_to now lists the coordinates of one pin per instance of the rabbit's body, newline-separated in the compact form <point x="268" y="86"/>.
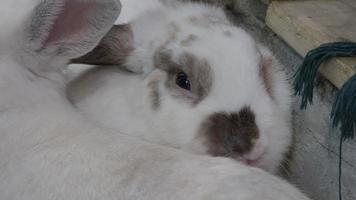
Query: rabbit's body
<point x="49" y="151"/>
<point x="238" y="104"/>
<point x="133" y="8"/>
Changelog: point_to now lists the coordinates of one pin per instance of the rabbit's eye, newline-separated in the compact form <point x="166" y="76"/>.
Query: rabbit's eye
<point x="183" y="81"/>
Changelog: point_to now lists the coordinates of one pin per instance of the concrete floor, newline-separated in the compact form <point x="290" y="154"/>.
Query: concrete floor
<point x="313" y="165"/>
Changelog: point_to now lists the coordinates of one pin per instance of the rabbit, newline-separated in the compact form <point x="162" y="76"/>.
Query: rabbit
<point x="199" y="84"/>
<point x="48" y="150"/>
<point x="133" y="8"/>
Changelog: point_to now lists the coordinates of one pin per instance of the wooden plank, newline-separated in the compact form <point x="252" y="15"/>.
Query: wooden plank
<point x="305" y="25"/>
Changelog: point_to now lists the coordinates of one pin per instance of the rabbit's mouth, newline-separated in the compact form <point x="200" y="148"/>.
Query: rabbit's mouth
<point x="251" y="162"/>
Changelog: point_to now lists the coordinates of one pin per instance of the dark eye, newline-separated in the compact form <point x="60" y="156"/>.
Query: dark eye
<point x="183" y="81"/>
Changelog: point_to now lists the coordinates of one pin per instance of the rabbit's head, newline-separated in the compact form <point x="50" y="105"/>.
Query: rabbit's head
<point x="207" y="82"/>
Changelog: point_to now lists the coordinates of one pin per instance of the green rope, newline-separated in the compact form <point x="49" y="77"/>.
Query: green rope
<point x="305" y="75"/>
<point x="344" y="115"/>
<point x="343" y="112"/>
<point x="340" y="167"/>
<point x="344" y="109"/>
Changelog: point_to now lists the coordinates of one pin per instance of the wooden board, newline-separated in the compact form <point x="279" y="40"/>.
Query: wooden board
<point x="305" y="25"/>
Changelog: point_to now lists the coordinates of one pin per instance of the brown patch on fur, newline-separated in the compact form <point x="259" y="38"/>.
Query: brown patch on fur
<point x="230" y="134"/>
<point x="189" y="40"/>
<point x="198" y="71"/>
<point x="153" y="95"/>
<point x="112" y="49"/>
<point x="207" y="20"/>
<point x="173" y="29"/>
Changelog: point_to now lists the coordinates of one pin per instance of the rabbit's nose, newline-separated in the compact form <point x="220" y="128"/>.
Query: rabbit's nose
<point x="231" y="134"/>
<point x="240" y="141"/>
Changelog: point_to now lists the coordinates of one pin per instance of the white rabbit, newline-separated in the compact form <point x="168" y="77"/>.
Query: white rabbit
<point x="206" y="86"/>
<point x="133" y="8"/>
<point x="49" y="151"/>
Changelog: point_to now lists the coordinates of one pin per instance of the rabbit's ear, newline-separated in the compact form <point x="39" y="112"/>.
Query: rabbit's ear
<point x="112" y="49"/>
<point x="67" y="29"/>
<point x="266" y="70"/>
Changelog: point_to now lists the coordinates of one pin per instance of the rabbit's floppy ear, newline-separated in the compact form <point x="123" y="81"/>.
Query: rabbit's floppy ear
<point x="112" y="49"/>
<point x="67" y="29"/>
<point x="266" y="69"/>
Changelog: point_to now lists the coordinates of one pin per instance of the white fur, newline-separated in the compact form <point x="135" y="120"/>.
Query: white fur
<point x="132" y="8"/>
<point x="49" y="151"/>
<point x="118" y="99"/>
